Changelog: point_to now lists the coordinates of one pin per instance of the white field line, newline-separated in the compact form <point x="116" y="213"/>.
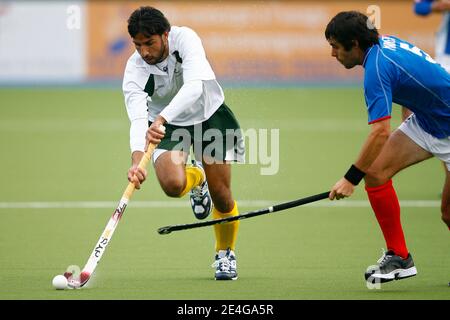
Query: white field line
<point x="182" y="204"/>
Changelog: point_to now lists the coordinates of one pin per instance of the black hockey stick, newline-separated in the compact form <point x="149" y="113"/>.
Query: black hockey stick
<point x="275" y="208"/>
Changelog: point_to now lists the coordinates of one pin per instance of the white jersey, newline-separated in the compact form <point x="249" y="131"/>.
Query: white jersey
<point x="150" y="90"/>
<point x="443" y="42"/>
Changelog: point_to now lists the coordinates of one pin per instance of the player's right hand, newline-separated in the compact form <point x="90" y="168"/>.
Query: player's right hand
<point x="342" y="189"/>
<point x="155" y="132"/>
<point x="137" y="176"/>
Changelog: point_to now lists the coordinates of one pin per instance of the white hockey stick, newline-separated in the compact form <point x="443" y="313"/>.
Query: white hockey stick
<point x="79" y="280"/>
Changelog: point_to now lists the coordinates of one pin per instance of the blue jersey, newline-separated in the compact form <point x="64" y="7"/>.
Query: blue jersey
<point x="397" y="71"/>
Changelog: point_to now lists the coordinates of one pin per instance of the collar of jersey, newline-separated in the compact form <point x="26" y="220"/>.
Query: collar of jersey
<point x="140" y="63"/>
<point x="366" y="54"/>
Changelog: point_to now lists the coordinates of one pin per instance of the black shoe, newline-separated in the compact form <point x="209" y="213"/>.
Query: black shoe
<point x="391" y="267"/>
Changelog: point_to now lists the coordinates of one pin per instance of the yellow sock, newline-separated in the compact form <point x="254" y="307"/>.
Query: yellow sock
<point x="226" y="233"/>
<point x="194" y="177"/>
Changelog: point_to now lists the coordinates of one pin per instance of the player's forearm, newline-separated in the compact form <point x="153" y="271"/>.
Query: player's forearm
<point x="136" y="157"/>
<point x="184" y="99"/>
<point x="372" y="146"/>
<point x="138" y="128"/>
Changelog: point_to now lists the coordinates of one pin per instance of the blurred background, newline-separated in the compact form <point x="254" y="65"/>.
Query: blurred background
<point x="246" y="41"/>
<point x="64" y="155"/>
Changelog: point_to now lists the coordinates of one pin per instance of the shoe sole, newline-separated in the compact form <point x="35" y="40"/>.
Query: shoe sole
<point x="224" y="276"/>
<point x="398" y="274"/>
<point x="224" y="279"/>
<point x="204" y="215"/>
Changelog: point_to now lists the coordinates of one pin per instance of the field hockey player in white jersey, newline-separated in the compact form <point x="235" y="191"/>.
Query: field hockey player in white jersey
<point x="169" y="82"/>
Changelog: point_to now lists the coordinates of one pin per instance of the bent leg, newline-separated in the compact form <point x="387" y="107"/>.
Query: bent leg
<point x="219" y="181"/>
<point x="398" y="153"/>
<point x="171" y="173"/>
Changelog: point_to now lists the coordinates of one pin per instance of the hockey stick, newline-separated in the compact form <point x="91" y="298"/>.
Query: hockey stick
<point x="275" y="208"/>
<point x="79" y="280"/>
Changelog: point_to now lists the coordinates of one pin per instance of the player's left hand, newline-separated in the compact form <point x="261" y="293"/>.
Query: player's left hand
<point x="343" y="188"/>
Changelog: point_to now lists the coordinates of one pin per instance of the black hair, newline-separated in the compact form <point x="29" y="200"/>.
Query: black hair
<point x="348" y="26"/>
<point x="148" y="21"/>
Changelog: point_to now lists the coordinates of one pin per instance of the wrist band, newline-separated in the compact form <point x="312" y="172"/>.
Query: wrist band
<point x="354" y="175"/>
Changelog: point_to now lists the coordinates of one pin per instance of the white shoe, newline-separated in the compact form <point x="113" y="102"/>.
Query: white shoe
<point x="225" y="264"/>
<point x="200" y="198"/>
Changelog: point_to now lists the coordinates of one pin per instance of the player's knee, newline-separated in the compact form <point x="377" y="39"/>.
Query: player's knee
<point x="224" y="205"/>
<point x="173" y="187"/>
<point x="374" y="177"/>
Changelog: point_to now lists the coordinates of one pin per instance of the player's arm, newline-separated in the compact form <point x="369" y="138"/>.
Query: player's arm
<point x="378" y="78"/>
<point x="136" y="105"/>
<point x="426" y="7"/>
<point x="188" y="94"/>
<point x="379" y="133"/>
<point x="196" y="69"/>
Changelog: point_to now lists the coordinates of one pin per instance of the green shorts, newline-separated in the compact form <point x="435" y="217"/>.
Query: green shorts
<point x="218" y="138"/>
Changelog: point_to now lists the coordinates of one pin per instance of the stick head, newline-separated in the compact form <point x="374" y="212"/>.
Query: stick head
<point x="76" y="282"/>
<point x="73" y="282"/>
<point x="84" y="278"/>
<point x="164" y="230"/>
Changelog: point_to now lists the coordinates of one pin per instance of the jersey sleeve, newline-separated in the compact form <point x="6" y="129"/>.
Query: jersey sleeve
<point x="195" y="65"/>
<point x="136" y="104"/>
<point x="183" y="100"/>
<point x="378" y="81"/>
<point x="423" y="7"/>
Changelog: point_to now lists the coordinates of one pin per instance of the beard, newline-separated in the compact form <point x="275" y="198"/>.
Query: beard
<point x="159" y="57"/>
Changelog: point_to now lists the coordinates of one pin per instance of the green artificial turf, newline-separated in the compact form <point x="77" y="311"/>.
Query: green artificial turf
<point x="71" y="145"/>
